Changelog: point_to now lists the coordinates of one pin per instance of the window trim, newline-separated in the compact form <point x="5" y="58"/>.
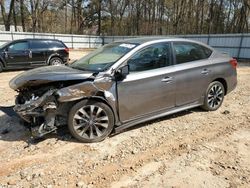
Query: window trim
<point x="7" y="48"/>
<point x="187" y="42"/>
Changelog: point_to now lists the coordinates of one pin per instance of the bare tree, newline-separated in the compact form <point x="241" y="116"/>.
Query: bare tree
<point x="22" y="14"/>
<point x="126" y="17"/>
<point x="7" y="17"/>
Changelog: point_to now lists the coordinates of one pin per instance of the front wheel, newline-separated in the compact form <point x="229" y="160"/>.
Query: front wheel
<point x="90" y="121"/>
<point x="214" y="96"/>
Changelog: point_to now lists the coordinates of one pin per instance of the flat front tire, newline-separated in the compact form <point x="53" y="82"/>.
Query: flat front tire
<point x="90" y="121"/>
<point x="214" y="96"/>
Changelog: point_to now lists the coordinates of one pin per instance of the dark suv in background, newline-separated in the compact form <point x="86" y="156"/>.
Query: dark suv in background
<point x="30" y="53"/>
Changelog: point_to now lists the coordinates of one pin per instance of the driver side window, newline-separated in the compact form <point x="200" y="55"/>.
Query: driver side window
<point x="19" y="46"/>
<point x="149" y="58"/>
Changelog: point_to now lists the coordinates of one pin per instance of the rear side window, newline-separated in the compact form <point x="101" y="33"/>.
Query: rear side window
<point x="56" y="44"/>
<point x="38" y="44"/>
<point x="187" y="52"/>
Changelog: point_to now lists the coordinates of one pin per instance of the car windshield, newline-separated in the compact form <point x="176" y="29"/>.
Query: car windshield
<point x="102" y="58"/>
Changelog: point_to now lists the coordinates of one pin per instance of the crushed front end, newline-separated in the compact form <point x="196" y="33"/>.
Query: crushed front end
<point x="40" y="109"/>
<point x="46" y="95"/>
<point x="37" y="99"/>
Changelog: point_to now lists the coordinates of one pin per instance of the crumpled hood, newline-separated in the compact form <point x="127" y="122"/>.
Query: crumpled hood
<point x="44" y="75"/>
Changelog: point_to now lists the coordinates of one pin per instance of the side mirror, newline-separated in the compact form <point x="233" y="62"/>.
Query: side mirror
<point x="122" y="72"/>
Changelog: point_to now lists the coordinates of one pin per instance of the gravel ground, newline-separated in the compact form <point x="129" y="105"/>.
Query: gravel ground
<point x="189" y="149"/>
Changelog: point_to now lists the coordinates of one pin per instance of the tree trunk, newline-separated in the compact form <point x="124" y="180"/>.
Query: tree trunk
<point x="22" y="15"/>
<point x="72" y="17"/>
<point x="34" y="13"/>
<point x="211" y="16"/>
<point x="99" y="17"/>
<point x="79" y="16"/>
<point x="66" y="16"/>
<point x="7" y="19"/>
<point x="111" y="17"/>
<point x="14" y="18"/>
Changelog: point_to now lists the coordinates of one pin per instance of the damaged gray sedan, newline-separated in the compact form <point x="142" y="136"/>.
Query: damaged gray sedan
<point x="123" y="84"/>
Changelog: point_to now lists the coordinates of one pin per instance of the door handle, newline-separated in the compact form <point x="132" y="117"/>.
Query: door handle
<point x="30" y="54"/>
<point x="6" y="54"/>
<point x="167" y="79"/>
<point x="205" y="71"/>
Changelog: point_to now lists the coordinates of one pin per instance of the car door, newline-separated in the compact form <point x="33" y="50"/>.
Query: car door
<point x="38" y="50"/>
<point x="193" y="70"/>
<point x="150" y="86"/>
<point x="17" y="54"/>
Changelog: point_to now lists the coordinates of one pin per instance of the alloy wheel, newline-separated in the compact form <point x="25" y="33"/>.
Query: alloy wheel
<point x="90" y="122"/>
<point x="215" y="96"/>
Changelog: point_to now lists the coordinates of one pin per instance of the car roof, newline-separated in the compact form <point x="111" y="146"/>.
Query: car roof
<point x="143" y="40"/>
<point x="37" y="39"/>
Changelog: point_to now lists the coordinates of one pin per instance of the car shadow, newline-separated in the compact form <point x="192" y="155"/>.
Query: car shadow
<point x="14" y="70"/>
<point x="13" y="129"/>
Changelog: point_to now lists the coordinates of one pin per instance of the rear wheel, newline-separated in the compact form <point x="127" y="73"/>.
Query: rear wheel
<point x="55" y="61"/>
<point x="214" y="96"/>
<point x="90" y="121"/>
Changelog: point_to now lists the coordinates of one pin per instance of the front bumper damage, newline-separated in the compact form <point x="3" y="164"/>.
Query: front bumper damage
<point x="28" y="109"/>
<point x="42" y="112"/>
<point x="45" y="107"/>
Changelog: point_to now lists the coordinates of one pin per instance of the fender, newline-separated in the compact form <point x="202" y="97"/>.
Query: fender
<point x="103" y="89"/>
<point x="104" y="100"/>
<point x="53" y="55"/>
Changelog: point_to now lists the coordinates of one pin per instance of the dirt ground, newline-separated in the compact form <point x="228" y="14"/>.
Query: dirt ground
<point x="189" y="149"/>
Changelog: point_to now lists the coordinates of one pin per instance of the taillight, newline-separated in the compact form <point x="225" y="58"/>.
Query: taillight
<point x="234" y="63"/>
<point x="66" y="50"/>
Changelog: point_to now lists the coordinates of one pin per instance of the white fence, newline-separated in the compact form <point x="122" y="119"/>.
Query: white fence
<point x="237" y="45"/>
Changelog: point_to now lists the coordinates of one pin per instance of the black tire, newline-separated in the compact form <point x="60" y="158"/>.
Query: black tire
<point x="56" y="61"/>
<point x="214" y="96"/>
<point x="90" y="116"/>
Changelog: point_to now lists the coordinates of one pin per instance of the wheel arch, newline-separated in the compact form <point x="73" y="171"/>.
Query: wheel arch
<point x="52" y="56"/>
<point x="90" y="91"/>
<point x="223" y="82"/>
<point x="102" y="100"/>
<point x="99" y="135"/>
